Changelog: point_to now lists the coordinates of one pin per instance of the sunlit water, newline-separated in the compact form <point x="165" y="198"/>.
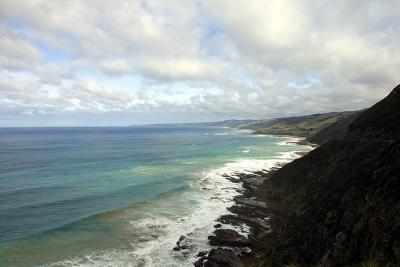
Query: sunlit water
<point x="120" y="196"/>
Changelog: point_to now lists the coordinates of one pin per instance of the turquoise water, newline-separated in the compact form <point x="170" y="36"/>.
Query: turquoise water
<point x="118" y="196"/>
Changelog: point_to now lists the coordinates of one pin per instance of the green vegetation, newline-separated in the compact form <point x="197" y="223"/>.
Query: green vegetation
<point x="304" y="126"/>
<point x="302" y="129"/>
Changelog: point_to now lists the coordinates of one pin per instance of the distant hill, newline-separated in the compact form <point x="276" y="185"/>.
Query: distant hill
<point x="339" y="205"/>
<point x="317" y="128"/>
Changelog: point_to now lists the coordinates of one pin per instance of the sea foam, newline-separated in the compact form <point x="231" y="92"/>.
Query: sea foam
<point x="210" y="194"/>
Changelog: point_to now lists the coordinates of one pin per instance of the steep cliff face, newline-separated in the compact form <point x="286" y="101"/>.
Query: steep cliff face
<point x="340" y="204"/>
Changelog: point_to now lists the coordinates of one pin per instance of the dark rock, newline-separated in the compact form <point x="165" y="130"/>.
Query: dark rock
<point x="223" y="257"/>
<point x="199" y="262"/>
<point x="228" y="237"/>
<point x="179" y="246"/>
<point x="202" y="254"/>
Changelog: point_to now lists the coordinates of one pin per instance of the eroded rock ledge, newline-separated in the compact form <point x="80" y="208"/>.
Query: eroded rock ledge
<point x="233" y="248"/>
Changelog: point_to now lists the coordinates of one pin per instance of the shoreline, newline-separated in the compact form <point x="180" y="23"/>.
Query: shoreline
<point x="298" y="140"/>
<point x="253" y="209"/>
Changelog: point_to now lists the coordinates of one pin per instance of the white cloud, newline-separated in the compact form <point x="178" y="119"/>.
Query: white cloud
<point x="116" y="66"/>
<point x="213" y="59"/>
<point x="16" y="53"/>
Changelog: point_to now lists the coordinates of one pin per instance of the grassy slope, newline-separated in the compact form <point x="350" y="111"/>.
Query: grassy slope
<point x="305" y="126"/>
<point x="303" y="129"/>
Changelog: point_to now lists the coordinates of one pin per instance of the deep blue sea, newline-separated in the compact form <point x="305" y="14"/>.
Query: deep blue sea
<point x="120" y="196"/>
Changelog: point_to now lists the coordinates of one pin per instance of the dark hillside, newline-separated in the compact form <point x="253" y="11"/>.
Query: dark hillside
<point x="335" y="131"/>
<point x="340" y="204"/>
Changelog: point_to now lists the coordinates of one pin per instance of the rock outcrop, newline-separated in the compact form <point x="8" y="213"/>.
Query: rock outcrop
<point x="220" y="257"/>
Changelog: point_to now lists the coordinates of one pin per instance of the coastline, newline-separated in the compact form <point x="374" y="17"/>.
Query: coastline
<point x="252" y="210"/>
<point x="298" y="140"/>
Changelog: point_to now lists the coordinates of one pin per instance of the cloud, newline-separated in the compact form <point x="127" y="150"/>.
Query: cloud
<point x="129" y="32"/>
<point x="343" y="45"/>
<point x="211" y="59"/>
<point x="116" y="66"/>
<point x="16" y="53"/>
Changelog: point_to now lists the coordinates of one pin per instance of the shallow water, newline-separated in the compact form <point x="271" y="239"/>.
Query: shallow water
<point x="120" y="196"/>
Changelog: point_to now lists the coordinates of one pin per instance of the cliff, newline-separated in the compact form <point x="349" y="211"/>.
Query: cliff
<point x="339" y="205"/>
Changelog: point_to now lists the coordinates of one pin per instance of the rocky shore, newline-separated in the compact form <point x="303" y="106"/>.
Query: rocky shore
<point x="232" y="247"/>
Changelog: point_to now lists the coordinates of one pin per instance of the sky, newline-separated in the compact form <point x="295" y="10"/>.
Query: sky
<point x="110" y="63"/>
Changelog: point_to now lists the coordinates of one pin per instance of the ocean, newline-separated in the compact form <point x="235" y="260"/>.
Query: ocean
<point x="121" y="196"/>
